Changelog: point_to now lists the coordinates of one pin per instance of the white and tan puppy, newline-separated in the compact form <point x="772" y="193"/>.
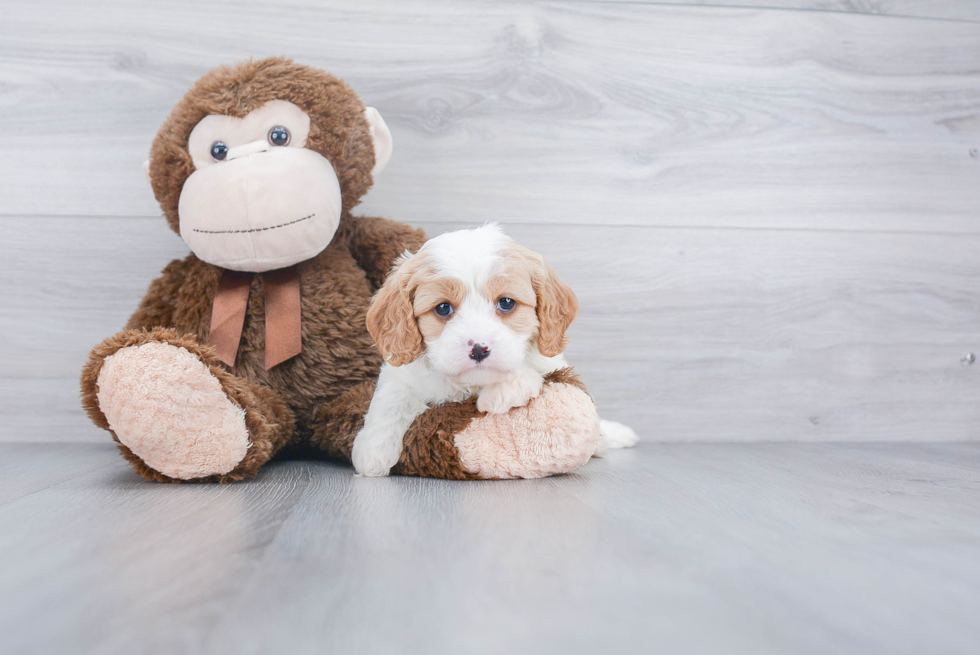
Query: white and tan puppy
<point x="471" y="314"/>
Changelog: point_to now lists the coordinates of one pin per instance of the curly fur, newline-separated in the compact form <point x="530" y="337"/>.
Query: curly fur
<point x="391" y="317"/>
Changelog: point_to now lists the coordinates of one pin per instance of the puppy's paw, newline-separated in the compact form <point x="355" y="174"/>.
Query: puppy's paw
<point x="531" y="381"/>
<point x="501" y="397"/>
<point x="616" y="435"/>
<point x="491" y="399"/>
<point x="374" y="453"/>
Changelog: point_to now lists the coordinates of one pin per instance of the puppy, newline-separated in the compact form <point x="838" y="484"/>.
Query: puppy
<point x="472" y="313"/>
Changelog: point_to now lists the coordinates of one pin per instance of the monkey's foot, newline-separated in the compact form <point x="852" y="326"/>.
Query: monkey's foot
<point x="163" y="404"/>
<point x="556" y="432"/>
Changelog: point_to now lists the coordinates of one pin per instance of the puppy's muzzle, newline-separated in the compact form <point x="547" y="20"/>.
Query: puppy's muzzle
<point x="479" y="352"/>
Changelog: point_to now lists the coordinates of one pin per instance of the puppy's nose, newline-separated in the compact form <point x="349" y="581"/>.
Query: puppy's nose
<point x="479" y="352"/>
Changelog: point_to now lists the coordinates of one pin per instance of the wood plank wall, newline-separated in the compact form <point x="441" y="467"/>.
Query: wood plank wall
<point x="770" y="214"/>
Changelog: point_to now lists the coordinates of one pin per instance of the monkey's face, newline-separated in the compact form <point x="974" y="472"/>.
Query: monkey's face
<point x="258" y="198"/>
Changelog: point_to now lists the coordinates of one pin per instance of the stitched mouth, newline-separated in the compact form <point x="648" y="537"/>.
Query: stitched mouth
<point x="257" y="229"/>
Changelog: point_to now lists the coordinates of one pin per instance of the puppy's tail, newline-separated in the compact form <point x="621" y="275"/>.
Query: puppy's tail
<point x="614" y="435"/>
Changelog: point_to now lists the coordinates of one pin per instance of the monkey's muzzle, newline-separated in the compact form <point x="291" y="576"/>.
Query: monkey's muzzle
<point x="261" y="209"/>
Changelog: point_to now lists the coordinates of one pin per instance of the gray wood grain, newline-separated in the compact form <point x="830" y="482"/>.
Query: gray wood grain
<point x="29" y="467"/>
<point x="602" y="113"/>
<point x="104" y="562"/>
<point x="45" y="410"/>
<point x="693" y="334"/>
<point x="672" y="548"/>
<point x="941" y="9"/>
<point x="560" y="119"/>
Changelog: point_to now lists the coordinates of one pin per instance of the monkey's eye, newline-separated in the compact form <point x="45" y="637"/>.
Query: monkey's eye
<point x="444" y="309"/>
<point x="218" y="151"/>
<point x="506" y="304"/>
<point x="279" y="136"/>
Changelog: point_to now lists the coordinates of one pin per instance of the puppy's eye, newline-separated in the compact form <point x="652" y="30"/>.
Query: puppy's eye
<point x="506" y="304"/>
<point x="279" y="136"/>
<point x="218" y="151"/>
<point x="444" y="309"/>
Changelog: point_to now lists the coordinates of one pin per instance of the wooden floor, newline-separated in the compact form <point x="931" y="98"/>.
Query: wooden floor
<point x="714" y="548"/>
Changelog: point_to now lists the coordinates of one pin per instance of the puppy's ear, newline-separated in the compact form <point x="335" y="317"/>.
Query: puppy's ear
<point x="557" y="307"/>
<point x="391" y="317"/>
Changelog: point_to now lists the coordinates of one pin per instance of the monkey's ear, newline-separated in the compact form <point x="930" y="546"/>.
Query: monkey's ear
<point x="381" y="137"/>
<point x="146" y="170"/>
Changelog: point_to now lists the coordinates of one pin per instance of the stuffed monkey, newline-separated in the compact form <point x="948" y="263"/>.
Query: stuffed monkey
<point x="256" y="344"/>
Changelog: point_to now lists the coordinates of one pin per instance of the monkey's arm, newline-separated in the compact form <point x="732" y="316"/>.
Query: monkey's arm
<point x="375" y="243"/>
<point x="156" y="309"/>
<point x="554" y="433"/>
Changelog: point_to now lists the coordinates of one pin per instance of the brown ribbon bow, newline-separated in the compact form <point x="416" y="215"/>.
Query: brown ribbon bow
<point x="283" y="318"/>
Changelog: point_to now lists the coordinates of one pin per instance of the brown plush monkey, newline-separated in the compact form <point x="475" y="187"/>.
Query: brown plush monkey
<point x="256" y="343"/>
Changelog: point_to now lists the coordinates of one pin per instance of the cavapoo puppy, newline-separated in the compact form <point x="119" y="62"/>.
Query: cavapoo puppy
<point x="472" y="313"/>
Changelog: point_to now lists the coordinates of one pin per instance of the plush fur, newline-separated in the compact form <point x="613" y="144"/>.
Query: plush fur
<point x="313" y="402"/>
<point x="195" y="429"/>
<point x="269" y="420"/>
<point x="556" y="435"/>
<point x="340" y="132"/>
